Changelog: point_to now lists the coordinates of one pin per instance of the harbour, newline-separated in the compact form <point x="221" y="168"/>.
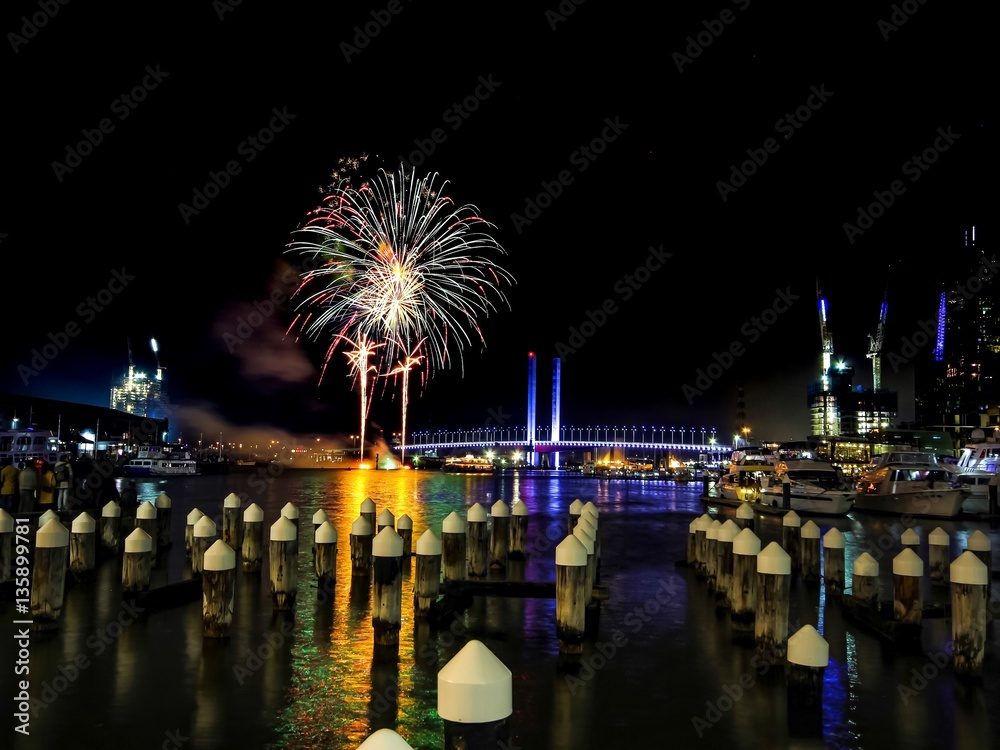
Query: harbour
<point x="660" y="662"/>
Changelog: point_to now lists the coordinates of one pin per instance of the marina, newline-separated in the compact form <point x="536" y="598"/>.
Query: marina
<point x="659" y="661"/>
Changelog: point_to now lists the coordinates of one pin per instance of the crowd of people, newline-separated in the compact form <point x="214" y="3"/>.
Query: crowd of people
<point x="37" y="485"/>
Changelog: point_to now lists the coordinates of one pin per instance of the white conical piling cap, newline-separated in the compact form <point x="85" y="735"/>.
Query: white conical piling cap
<point x="587" y="526"/>
<point x="702" y="522"/>
<point x="385" y="518"/>
<point x="712" y="532"/>
<point x="320" y="516"/>
<point x="572" y="551"/>
<point x="361" y="527"/>
<point x="807" y="648"/>
<point x="367" y="505"/>
<point x="453" y="524"/>
<point x="575" y="507"/>
<point x="204" y="527"/>
<point x="907" y="563"/>
<point x="146" y="511"/>
<point x="692" y="525"/>
<point x="82" y="524"/>
<point x="6" y="522"/>
<point x="519" y="508"/>
<point x="909" y="537"/>
<point x="978" y="542"/>
<point x="474" y="687"/>
<point x="938" y="537"/>
<point x="220" y="556"/>
<point x="163" y="500"/>
<point x="589" y="507"/>
<point x="290" y="510"/>
<point x="111" y="509"/>
<point x="52" y="534"/>
<point x="745" y="512"/>
<point x="969" y="569"/>
<point x="791" y="519"/>
<point x="866" y="565"/>
<point x="834" y="539"/>
<point x="253" y="513"/>
<point x="326" y="533"/>
<point x="728" y="532"/>
<point x="384" y="739"/>
<point x="476" y="514"/>
<point x="499" y="509"/>
<point x="46" y="517"/>
<point x="283" y="530"/>
<point x="138" y="541"/>
<point x="404" y="522"/>
<point x="232" y="500"/>
<point x="746" y="543"/>
<point x="194" y="516"/>
<point x="585" y="538"/>
<point x="387" y="543"/>
<point x="774" y="560"/>
<point x="809" y="530"/>
<point x="428" y="544"/>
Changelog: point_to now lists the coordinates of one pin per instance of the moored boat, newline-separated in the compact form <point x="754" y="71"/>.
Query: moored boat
<point x="978" y="463"/>
<point x="910" y="482"/>
<point x="154" y="461"/>
<point x="815" y="488"/>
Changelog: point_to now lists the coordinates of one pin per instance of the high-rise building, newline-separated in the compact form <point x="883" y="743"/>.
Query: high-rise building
<point x="138" y="393"/>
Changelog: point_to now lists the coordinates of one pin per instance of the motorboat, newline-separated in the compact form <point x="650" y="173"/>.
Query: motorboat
<point x="978" y="463"/>
<point x="815" y="487"/>
<point x="29" y="445"/>
<point x="910" y="482"/>
<point x="749" y="469"/>
<point x="469" y="464"/>
<point x="155" y="461"/>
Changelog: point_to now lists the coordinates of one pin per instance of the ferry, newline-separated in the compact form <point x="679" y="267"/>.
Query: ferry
<point x="29" y="445"/>
<point x="469" y="464"/>
<point x="154" y="461"/>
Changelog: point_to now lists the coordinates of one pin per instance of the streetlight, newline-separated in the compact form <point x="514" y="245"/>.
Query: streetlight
<point x="671" y="434"/>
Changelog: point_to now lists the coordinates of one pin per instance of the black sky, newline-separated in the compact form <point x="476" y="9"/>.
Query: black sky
<point x="543" y="86"/>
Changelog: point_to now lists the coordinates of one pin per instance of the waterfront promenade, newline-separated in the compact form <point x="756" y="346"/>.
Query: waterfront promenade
<point x="661" y="669"/>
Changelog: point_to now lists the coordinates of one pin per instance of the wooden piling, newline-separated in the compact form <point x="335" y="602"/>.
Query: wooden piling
<point x="218" y="590"/>
<point x="384" y="520"/>
<point x="164" y="514"/>
<point x="427" y="584"/>
<point x="745" y="516"/>
<point x="325" y="560"/>
<point x="404" y="527"/>
<point x="910" y="539"/>
<point x="583" y="534"/>
<point x="474" y="698"/>
<point x="145" y="519"/>
<point x="193" y="517"/>
<point x="499" y="535"/>
<point x="907" y="608"/>
<point x="692" y="545"/>
<point x="387" y="589"/>
<point x="724" y="564"/>
<point x="774" y="575"/>
<point x="283" y="563"/>
<point x="970" y="582"/>
<point x="319" y="518"/>
<point x="743" y="591"/>
<point x="48" y="574"/>
<point x="572" y="592"/>
<point x="791" y="541"/>
<point x="573" y="515"/>
<point x="701" y="525"/>
<point x="83" y="547"/>
<point x="477" y="549"/>
<point x="808" y="655"/>
<point x="232" y="521"/>
<point x="361" y="548"/>
<point x="136" y="563"/>
<point x="595" y="519"/>
<point x="833" y="561"/>
<point x="809" y="556"/>
<point x="253" y="539"/>
<point x="111" y="527"/>
<point x="368" y="512"/>
<point x="204" y="534"/>
<point x="291" y="511"/>
<point x="712" y="553"/>
<point x="979" y="544"/>
<point x="517" y="548"/>
<point x="864" y="581"/>
<point x="6" y="546"/>
<point x="939" y="556"/>
<point x="453" y="547"/>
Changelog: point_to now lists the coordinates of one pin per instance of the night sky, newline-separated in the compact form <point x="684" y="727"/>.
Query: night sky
<point x="668" y="185"/>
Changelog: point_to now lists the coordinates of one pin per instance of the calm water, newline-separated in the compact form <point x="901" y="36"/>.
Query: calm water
<point x="662" y="670"/>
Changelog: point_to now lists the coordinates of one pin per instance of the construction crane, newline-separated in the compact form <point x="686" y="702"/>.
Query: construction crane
<point x="875" y="342"/>
<point x="826" y="339"/>
<point x="156" y="353"/>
